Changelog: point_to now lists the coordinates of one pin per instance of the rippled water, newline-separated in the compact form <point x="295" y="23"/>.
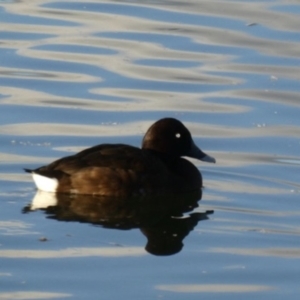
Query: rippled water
<point x="76" y="73"/>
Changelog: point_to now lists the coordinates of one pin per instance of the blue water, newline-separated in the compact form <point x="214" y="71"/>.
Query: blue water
<point x="76" y="74"/>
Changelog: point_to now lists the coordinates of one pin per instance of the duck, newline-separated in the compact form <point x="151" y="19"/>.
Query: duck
<point x="120" y="170"/>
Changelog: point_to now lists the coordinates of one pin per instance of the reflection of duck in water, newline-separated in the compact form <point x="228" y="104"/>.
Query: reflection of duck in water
<point x="122" y="170"/>
<point x="160" y="218"/>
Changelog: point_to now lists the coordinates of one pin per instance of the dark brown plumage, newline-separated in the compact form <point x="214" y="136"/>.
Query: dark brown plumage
<point x="123" y="170"/>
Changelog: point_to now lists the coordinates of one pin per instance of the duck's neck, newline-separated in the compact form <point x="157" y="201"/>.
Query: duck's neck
<point x="183" y="168"/>
<point x="165" y="157"/>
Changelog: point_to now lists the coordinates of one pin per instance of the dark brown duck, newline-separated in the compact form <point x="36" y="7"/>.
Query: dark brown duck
<point x="123" y="170"/>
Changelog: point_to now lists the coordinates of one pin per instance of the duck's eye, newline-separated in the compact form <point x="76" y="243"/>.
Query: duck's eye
<point x="178" y="135"/>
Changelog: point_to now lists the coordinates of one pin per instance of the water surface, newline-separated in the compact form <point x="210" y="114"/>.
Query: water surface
<point x="75" y="74"/>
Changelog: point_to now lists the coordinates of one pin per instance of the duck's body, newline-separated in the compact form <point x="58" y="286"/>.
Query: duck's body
<point x="123" y="170"/>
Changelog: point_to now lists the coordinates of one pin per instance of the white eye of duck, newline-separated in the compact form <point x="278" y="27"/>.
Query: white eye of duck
<point x="178" y="135"/>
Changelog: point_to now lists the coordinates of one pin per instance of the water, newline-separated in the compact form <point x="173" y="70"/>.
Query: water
<point x="75" y="74"/>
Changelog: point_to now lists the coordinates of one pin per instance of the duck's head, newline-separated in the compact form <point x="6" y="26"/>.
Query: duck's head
<point x="169" y="136"/>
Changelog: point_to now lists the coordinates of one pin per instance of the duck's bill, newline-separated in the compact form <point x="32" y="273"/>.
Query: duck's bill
<point x="195" y="152"/>
<point x="208" y="158"/>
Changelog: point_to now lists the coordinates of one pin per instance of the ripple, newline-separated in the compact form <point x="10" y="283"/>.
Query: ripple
<point x="23" y="295"/>
<point x="138" y="128"/>
<point x="277" y="252"/>
<point x="288" y="161"/>
<point x="15" y="228"/>
<point x="73" y="252"/>
<point x="46" y="75"/>
<point x="213" y="288"/>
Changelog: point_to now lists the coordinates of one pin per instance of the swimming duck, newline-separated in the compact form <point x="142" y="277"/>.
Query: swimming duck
<point x="120" y="170"/>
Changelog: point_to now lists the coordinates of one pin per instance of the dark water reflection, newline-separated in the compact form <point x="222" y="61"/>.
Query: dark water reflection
<point x="161" y="219"/>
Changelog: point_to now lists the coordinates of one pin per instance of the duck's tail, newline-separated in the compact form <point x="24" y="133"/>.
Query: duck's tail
<point x="43" y="182"/>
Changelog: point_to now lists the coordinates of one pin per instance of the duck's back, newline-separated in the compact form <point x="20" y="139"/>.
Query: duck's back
<point x="114" y="156"/>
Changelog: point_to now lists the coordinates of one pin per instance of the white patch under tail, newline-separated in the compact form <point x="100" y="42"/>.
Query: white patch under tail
<point x="44" y="183"/>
